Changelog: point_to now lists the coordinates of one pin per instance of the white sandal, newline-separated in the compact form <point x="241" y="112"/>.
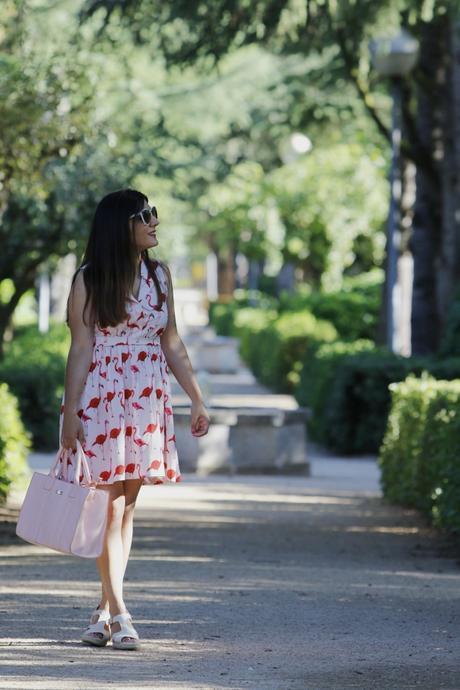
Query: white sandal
<point x="94" y="630"/>
<point x="127" y="630"/>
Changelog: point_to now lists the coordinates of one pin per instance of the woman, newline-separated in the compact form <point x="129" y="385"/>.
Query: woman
<point x="116" y="400"/>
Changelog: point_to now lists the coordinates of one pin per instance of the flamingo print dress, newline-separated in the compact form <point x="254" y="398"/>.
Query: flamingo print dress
<point x="125" y="406"/>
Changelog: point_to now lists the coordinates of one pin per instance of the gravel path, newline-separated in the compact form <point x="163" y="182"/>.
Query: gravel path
<point x="268" y="583"/>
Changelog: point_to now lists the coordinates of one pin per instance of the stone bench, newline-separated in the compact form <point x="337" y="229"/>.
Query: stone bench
<point x="244" y="440"/>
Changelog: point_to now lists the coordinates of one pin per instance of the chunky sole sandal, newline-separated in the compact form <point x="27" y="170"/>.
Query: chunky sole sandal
<point x="91" y="636"/>
<point x="127" y="630"/>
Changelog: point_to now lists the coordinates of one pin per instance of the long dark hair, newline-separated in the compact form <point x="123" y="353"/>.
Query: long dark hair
<point x="110" y="259"/>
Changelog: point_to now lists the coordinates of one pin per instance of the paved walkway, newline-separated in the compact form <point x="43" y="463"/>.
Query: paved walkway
<point x="268" y="583"/>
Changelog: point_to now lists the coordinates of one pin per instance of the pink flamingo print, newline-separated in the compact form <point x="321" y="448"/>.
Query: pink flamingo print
<point x="118" y="369"/>
<point x="116" y="431"/>
<point x="103" y="476"/>
<point x="149" y="302"/>
<point x="128" y="393"/>
<point x="94" y="402"/>
<point x="134" y="369"/>
<point x="137" y="406"/>
<point x="83" y="416"/>
<point x="146" y="392"/>
<point x="119" y="469"/>
<point x="110" y="396"/>
<point x="132" y="325"/>
<point x="155" y="464"/>
<point x="100" y="438"/>
<point x="125" y="356"/>
<point x="107" y="360"/>
<point x="142" y="355"/>
<point x="131" y="467"/>
<point x="102" y="374"/>
<point x="139" y="441"/>
<point x="159" y="393"/>
<point x="150" y="429"/>
<point x="92" y="366"/>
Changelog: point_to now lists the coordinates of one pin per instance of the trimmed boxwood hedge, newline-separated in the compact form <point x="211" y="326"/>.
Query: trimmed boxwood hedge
<point x="419" y="455"/>
<point x="14" y="445"/>
<point x="275" y="346"/>
<point x="347" y="388"/>
<point x="34" y="369"/>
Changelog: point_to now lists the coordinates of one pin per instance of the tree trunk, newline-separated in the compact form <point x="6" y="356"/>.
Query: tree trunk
<point x="226" y="272"/>
<point x="427" y="225"/>
<point x="448" y="274"/>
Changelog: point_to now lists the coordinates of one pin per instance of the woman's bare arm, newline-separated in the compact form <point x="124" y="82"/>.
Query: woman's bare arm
<point x="175" y="351"/>
<point x="78" y="363"/>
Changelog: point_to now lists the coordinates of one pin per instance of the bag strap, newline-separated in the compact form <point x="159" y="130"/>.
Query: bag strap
<point x="81" y="462"/>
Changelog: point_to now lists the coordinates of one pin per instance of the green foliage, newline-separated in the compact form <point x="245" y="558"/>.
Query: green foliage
<point x="353" y="310"/>
<point x="14" y="445"/>
<point x="450" y="344"/>
<point x="274" y="346"/>
<point x="419" y="452"/>
<point x="34" y="368"/>
<point x="328" y="201"/>
<point x="347" y="387"/>
<point x="317" y="378"/>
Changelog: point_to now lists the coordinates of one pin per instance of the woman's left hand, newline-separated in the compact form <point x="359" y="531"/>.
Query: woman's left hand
<point x="200" y="419"/>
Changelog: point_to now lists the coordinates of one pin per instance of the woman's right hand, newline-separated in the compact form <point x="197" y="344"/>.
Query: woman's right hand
<point x="72" y="428"/>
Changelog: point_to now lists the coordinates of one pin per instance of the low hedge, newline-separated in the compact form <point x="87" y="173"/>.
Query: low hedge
<point x="34" y="369"/>
<point x="274" y="346"/>
<point x="14" y="445"/>
<point x="317" y="378"/>
<point x="347" y="388"/>
<point x="353" y="310"/>
<point x="222" y="313"/>
<point x="419" y="456"/>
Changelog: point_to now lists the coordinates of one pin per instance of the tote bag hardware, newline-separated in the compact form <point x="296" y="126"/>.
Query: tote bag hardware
<point x="65" y="516"/>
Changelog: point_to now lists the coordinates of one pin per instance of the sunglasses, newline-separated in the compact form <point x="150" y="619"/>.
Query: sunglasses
<point x="146" y="215"/>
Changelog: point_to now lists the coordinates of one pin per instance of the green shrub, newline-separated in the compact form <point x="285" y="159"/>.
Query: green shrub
<point x="354" y="310"/>
<point x="287" y="342"/>
<point x="317" y="378"/>
<point x="14" y="445"/>
<point x="34" y="368"/>
<point x="349" y="395"/>
<point x="419" y="453"/>
<point x="274" y="346"/>
<point x="222" y="313"/>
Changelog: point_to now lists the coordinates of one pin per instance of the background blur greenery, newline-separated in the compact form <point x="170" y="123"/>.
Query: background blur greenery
<point x="100" y="94"/>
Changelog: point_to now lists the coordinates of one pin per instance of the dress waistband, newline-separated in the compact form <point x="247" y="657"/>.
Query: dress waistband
<point x="111" y="340"/>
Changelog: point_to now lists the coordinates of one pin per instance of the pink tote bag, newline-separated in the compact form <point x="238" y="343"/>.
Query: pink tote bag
<point x="65" y="516"/>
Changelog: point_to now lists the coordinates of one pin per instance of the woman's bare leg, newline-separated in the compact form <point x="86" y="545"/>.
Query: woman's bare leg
<point x="132" y="487"/>
<point x="111" y="562"/>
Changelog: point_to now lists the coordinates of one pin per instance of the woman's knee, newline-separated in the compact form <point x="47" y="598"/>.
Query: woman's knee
<point x="116" y="505"/>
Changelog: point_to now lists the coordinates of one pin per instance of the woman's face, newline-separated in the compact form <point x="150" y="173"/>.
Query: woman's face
<point x="145" y="235"/>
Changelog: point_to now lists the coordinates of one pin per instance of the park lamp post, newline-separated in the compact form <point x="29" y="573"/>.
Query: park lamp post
<point x="394" y="58"/>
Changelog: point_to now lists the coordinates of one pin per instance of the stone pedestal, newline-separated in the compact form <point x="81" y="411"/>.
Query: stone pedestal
<point x="244" y="440"/>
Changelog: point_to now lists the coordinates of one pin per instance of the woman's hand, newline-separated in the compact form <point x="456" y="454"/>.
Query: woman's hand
<point x="200" y="419"/>
<point x="72" y="428"/>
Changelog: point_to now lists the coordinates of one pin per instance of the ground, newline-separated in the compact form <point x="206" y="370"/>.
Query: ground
<point x="261" y="582"/>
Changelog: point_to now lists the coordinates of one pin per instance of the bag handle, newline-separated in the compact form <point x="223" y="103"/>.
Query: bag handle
<point x="81" y="461"/>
